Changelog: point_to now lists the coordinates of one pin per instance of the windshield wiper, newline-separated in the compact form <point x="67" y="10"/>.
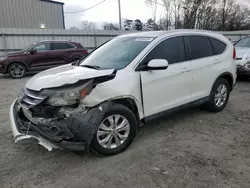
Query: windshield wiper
<point x="91" y="66"/>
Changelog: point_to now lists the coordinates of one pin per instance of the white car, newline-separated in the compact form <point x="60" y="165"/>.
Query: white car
<point x="243" y="56"/>
<point x="128" y="81"/>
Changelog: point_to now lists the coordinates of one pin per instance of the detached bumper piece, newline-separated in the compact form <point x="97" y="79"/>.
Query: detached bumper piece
<point x="73" y="133"/>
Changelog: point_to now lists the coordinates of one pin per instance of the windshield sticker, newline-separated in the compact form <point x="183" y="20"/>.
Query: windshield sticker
<point x="144" y="39"/>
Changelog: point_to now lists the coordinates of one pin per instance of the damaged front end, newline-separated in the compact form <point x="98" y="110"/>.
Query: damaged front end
<point x="57" y="117"/>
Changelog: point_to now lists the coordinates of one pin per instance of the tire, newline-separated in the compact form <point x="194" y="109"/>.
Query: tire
<point x="17" y="70"/>
<point x="115" y="111"/>
<point x="214" y="106"/>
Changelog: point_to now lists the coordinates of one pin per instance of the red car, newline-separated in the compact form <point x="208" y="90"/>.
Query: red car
<point x="41" y="56"/>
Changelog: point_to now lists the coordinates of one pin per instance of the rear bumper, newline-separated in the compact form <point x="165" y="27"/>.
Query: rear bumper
<point x="25" y="130"/>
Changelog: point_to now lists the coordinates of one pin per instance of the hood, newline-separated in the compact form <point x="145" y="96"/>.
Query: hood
<point x="241" y="51"/>
<point x="13" y="54"/>
<point x="67" y="74"/>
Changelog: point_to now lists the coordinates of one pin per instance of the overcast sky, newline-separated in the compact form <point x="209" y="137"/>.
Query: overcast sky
<point x="108" y="11"/>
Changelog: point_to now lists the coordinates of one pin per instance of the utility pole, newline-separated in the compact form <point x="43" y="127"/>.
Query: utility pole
<point x="120" y="17"/>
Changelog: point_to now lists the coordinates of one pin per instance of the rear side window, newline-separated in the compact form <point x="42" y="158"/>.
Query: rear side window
<point x="218" y="46"/>
<point x="170" y="49"/>
<point x="61" y="46"/>
<point x="198" y="47"/>
<point x="68" y="46"/>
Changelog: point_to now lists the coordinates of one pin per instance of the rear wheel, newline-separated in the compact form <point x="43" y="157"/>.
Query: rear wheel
<point x="219" y="96"/>
<point x="17" y="70"/>
<point x="116" y="131"/>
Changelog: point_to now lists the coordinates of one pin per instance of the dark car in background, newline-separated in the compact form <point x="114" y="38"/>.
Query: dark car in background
<point x="41" y="56"/>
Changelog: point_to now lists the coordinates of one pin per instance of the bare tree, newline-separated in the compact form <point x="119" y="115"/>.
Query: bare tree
<point x="177" y="6"/>
<point x="110" y="26"/>
<point x="87" y="25"/>
<point x="153" y="4"/>
<point x="226" y="8"/>
<point x="167" y="5"/>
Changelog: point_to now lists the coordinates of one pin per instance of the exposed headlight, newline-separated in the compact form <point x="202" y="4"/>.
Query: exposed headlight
<point x="69" y="97"/>
<point x="3" y="58"/>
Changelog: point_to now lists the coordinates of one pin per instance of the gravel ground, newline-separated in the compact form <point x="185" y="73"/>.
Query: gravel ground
<point x="190" y="149"/>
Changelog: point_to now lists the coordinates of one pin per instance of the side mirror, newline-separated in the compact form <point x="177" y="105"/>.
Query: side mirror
<point x="158" y="64"/>
<point x="33" y="51"/>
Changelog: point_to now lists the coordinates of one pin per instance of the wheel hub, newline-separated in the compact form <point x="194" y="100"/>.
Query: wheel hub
<point x="113" y="131"/>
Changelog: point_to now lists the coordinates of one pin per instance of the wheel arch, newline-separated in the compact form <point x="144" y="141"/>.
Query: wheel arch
<point x="131" y="104"/>
<point x="7" y="68"/>
<point x="228" y="76"/>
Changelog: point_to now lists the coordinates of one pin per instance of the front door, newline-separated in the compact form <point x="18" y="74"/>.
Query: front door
<point x="166" y="89"/>
<point x="42" y="59"/>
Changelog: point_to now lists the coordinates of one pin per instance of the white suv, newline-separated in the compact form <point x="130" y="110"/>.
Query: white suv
<point x="100" y="101"/>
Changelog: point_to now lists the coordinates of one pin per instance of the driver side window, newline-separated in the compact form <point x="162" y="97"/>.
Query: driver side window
<point x="171" y="49"/>
<point x="42" y="47"/>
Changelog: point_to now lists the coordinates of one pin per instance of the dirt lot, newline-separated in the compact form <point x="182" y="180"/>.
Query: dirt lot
<point x="190" y="149"/>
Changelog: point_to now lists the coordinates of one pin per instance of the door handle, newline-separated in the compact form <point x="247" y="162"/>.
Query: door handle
<point x="217" y="61"/>
<point x="185" y="69"/>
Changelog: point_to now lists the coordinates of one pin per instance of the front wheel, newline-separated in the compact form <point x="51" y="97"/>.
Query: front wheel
<point x="219" y="96"/>
<point x="17" y="70"/>
<point x="116" y="131"/>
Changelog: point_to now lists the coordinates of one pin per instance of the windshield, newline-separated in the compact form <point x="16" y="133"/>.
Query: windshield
<point x="245" y="42"/>
<point x="28" y="47"/>
<point x="117" y="53"/>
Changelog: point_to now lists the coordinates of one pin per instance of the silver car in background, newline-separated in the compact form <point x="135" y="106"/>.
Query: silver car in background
<point x="243" y="56"/>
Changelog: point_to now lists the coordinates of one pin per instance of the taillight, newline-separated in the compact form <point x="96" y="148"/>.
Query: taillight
<point x="234" y="54"/>
<point x="85" y="52"/>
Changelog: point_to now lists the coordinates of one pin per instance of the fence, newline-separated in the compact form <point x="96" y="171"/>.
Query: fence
<point x="12" y="40"/>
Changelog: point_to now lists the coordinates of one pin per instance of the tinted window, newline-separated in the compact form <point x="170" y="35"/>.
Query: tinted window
<point x="218" y="46"/>
<point x="198" y="47"/>
<point x="170" y="49"/>
<point x="245" y="42"/>
<point x="42" y="47"/>
<point x="68" y="45"/>
<point x="61" y="46"/>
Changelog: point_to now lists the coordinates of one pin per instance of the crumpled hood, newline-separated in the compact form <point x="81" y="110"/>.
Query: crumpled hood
<point x="67" y="74"/>
<point x="240" y="52"/>
<point x="243" y="55"/>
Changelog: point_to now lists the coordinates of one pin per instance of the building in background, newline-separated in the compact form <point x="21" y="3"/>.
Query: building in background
<point x="31" y="14"/>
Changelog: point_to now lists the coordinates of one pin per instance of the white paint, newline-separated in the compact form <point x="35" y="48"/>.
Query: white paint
<point x="67" y="74"/>
<point x="179" y="84"/>
<point x="243" y="53"/>
<point x="156" y="63"/>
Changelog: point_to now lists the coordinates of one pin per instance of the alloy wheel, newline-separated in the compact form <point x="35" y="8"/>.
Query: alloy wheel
<point x="113" y="131"/>
<point x="221" y="95"/>
<point x="17" y="70"/>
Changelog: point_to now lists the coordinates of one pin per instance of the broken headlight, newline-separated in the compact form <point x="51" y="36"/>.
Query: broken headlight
<point x="69" y="97"/>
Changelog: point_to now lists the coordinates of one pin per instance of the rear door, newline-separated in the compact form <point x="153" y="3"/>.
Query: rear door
<point x="200" y="53"/>
<point x="61" y="52"/>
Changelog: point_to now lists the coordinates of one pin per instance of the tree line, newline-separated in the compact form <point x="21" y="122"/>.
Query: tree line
<point x="219" y="15"/>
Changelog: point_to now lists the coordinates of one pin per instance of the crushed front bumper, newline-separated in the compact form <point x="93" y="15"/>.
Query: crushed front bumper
<point x="20" y="135"/>
<point x="73" y="133"/>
